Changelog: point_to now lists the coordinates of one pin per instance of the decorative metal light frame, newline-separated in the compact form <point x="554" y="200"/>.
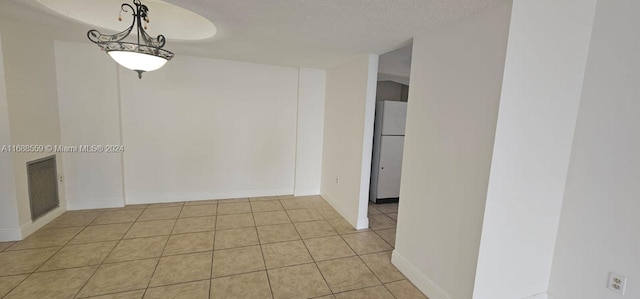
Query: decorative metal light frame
<point x="145" y="55"/>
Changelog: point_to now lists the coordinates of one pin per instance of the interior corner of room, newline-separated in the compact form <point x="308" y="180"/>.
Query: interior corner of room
<point x="507" y="138"/>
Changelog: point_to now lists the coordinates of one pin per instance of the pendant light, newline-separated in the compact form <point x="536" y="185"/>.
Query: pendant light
<point x="144" y="56"/>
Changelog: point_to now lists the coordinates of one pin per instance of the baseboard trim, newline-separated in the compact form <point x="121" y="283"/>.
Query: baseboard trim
<point x="421" y="281"/>
<point x="306" y="191"/>
<point x="95" y="204"/>
<point x="149" y="199"/>
<point x="357" y="223"/>
<point x="32" y="226"/>
<point x="10" y="234"/>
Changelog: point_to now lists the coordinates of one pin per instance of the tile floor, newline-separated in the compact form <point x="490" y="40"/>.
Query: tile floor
<point x="268" y="247"/>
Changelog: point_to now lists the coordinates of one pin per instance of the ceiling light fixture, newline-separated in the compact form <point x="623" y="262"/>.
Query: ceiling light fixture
<point x="139" y="57"/>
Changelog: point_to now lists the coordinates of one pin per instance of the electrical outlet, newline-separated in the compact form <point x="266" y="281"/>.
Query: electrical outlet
<point x="60" y="177"/>
<point x="337" y="180"/>
<point x="617" y="283"/>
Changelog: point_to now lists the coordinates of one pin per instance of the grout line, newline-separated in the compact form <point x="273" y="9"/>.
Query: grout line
<point x="264" y="262"/>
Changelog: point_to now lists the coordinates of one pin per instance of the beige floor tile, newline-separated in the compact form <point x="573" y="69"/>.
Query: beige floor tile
<point x="234" y="221"/>
<point x="150" y="229"/>
<point x="202" y="202"/>
<point x="285" y="254"/>
<point x="7" y="283"/>
<point x="234" y="208"/>
<point x="196" y="224"/>
<point x="373" y="210"/>
<point x="198" y="211"/>
<point x="326" y="297"/>
<point x="380" y="264"/>
<point x="190" y="290"/>
<point x="82" y="255"/>
<point x="342" y="226"/>
<point x="328" y="248"/>
<point x="118" y="216"/>
<point x="182" y="268"/>
<point x="101" y="233"/>
<point x="266" y="206"/>
<point x="237" y="260"/>
<point x="263" y="198"/>
<point x="251" y="285"/>
<point x="50" y="237"/>
<point x="24" y="261"/>
<point x="233" y="200"/>
<point x="381" y="221"/>
<point x="119" y="277"/>
<point x="303" y="281"/>
<point x="329" y="213"/>
<point x="320" y="204"/>
<point x="389" y="235"/>
<point x="304" y="215"/>
<point x="136" y="206"/>
<point x="55" y="284"/>
<point x="315" y="229"/>
<point x="160" y="213"/>
<point x="388" y="208"/>
<point x="404" y="289"/>
<point x="135" y="249"/>
<point x="377" y="292"/>
<point x="124" y="295"/>
<point x="238" y="237"/>
<point x="393" y="216"/>
<point x="347" y="274"/>
<point x="69" y="219"/>
<point x="5" y="245"/>
<point x="277" y="233"/>
<point x="166" y="205"/>
<point x="270" y="218"/>
<point x="367" y="242"/>
<point x="189" y="243"/>
<point x="295" y="204"/>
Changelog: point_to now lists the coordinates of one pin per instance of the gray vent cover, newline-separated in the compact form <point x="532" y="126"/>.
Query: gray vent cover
<point x="43" y="186"/>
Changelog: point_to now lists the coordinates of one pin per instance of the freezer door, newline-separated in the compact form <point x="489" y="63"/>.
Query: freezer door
<point x="394" y="118"/>
<point x="390" y="166"/>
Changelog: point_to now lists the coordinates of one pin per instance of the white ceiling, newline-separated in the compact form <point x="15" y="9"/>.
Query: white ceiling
<point x="311" y="33"/>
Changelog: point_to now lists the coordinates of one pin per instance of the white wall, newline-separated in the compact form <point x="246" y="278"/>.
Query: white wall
<point x="310" y="129"/>
<point x="205" y="128"/>
<point x="456" y="77"/>
<point x="30" y="79"/>
<point x="546" y="58"/>
<point x="599" y="223"/>
<point x="9" y="224"/>
<point x="89" y="115"/>
<point x="348" y="137"/>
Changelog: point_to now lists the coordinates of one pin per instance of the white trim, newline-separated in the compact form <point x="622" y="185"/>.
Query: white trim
<point x="426" y="285"/>
<point x="356" y="222"/>
<point x="132" y="199"/>
<point x="95" y="204"/>
<point x="306" y="191"/>
<point x="10" y="234"/>
<point x="543" y="295"/>
<point x="31" y="226"/>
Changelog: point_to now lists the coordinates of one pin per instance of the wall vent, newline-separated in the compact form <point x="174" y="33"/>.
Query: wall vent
<point x="43" y="186"/>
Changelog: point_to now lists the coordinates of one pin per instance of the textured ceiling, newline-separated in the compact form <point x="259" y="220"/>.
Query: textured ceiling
<point x="312" y="33"/>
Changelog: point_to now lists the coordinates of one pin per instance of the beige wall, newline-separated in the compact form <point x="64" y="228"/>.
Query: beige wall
<point x="30" y="78"/>
<point x="456" y="77"/>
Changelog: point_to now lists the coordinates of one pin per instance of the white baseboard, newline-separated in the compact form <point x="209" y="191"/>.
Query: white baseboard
<point x="10" y="234"/>
<point x="105" y="203"/>
<point x="149" y="199"/>
<point x="418" y="278"/>
<point x="32" y="226"/>
<point x="306" y="191"/>
<point x="363" y="223"/>
<point x="543" y="295"/>
<point x="358" y="223"/>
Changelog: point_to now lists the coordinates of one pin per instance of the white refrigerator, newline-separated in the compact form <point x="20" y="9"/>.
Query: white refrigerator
<point x="388" y="145"/>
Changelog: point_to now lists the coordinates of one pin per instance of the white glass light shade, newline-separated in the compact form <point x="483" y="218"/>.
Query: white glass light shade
<point x="137" y="61"/>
